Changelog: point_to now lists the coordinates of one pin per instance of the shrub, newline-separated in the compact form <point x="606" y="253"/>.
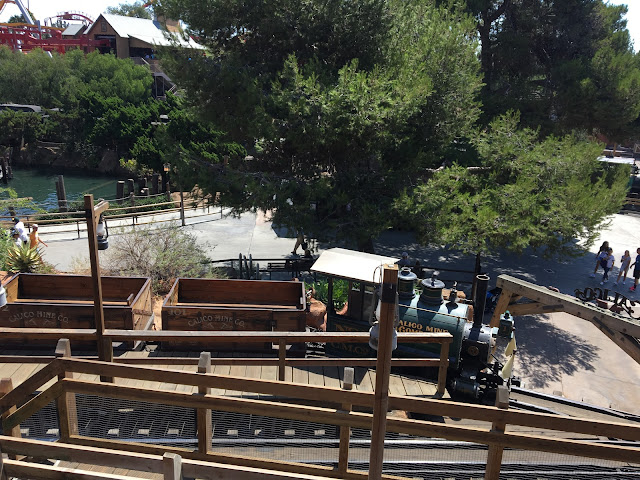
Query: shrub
<point x="24" y="259"/>
<point x="162" y="254"/>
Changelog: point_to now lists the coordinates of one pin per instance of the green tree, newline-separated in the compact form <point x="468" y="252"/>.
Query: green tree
<point x="530" y="194"/>
<point x="340" y="103"/>
<point x="564" y="65"/>
<point x="135" y="9"/>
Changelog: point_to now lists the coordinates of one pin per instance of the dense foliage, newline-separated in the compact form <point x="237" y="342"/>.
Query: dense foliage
<point x="338" y="102"/>
<point x="564" y="65"/>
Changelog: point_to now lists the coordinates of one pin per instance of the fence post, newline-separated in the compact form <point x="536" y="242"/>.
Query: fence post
<point x="494" y="455"/>
<point x="182" y="208"/>
<point x="345" y="431"/>
<point x="172" y="466"/>
<point x="240" y="263"/>
<point x="282" y="355"/>
<point x="204" y="414"/>
<point x="444" y="364"/>
<point x="66" y="403"/>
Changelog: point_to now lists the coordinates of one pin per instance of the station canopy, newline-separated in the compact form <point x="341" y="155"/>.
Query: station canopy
<point x="352" y="265"/>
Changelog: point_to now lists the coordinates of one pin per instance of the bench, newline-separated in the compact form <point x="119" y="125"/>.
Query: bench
<point x="293" y="265"/>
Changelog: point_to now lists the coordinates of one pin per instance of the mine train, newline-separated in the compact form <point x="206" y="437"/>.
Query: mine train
<point x="474" y="369"/>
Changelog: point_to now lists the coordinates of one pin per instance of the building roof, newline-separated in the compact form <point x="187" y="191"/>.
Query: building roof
<point x="73" y="29"/>
<point x="148" y="31"/>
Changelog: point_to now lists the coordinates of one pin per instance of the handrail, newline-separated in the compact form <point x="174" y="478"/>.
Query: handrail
<point x="65" y="388"/>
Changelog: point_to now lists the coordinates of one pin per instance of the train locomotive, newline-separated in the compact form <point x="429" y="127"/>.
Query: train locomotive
<point x="474" y="370"/>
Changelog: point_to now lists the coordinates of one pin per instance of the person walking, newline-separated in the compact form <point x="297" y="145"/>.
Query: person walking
<point x="34" y="238"/>
<point x="19" y="227"/>
<point x="600" y="255"/>
<point x="636" y="271"/>
<point x="607" y="264"/>
<point x="625" y="260"/>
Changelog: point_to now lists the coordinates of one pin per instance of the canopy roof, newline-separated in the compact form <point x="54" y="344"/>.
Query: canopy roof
<point x="352" y="265"/>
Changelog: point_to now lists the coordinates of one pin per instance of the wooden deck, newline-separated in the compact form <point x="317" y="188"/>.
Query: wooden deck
<point x="330" y="376"/>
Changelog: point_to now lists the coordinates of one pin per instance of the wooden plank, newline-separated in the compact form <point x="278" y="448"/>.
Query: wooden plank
<point x="363" y="420"/>
<point x="236" y="371"/>
<point x="300" y="375"/>
<point x="34" y="383"/>
<point x="572" y="305"/>
<point x="31" y="407"/>
<point x="332" y="378"/>
<point x="46" y="472"/>
<point x="257" y="337"/>
<point x="424" y="405"/>
<point x="411" y="386"/>
<point x="240" y="460"/>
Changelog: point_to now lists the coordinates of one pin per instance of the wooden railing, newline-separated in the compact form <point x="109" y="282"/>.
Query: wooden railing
<point x="17" y="405"/>
<point x="216" y="337"/>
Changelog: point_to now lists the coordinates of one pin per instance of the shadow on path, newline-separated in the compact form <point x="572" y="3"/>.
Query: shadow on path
<point x="546" y="353"/>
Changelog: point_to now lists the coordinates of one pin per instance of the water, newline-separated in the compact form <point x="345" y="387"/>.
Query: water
<point x="41" y="185"/>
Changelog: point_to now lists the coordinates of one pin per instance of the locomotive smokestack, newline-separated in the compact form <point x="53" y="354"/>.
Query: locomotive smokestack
<point x="482" y="281"/>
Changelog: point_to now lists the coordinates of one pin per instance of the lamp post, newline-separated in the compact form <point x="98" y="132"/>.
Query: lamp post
<point x="93" y="215"/>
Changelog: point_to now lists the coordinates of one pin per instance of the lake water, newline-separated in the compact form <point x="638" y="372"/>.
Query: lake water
<point x="41" y="185"/>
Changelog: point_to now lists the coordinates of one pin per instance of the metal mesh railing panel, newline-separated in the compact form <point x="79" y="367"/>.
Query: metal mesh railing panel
<point x="136" y="421"/>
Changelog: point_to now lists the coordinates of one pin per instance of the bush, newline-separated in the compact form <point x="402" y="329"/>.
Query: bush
<point x="162" y="254"/>
<point x="24" y="259"/>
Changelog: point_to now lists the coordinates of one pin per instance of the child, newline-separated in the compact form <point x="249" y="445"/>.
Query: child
<point x="607" y="264"/>
<point x="624" y="267"/>
<point x="636" y="271"/>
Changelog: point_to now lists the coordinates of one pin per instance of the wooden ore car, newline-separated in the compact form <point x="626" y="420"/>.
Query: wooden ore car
<point x="233" y="305"/>
<point x="67" y="302"/>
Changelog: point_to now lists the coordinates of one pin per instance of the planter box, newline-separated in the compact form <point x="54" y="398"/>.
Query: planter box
<point x="223" y="305"/>
<point x="66" y="302"/>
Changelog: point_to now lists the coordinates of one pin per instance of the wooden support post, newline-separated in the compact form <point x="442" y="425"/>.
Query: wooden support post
<point x="282" y="356"/>
<point x="442" y="370"/>
<point x="494" y="455"/>
<point x="105" y="348"/>
<point x="6" y="386"/>
<point x="501" y="307"/>
<point x="345" y="431"/>
<point x="172" y="466"/>
<point x="383" y="370"/>
<point x="3" y="474"/>
<point x="131" y="189"/>
<point x="66" y="403"/>
<point x="120" y="192"/>
<point x="205" y="431"/>
<point x="62" y="194"/>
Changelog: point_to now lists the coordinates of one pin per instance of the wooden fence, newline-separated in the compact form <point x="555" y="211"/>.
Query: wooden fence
<point x="75" y="221"/>
<point x="343" y="408"/>
<point x="282" y="339"/>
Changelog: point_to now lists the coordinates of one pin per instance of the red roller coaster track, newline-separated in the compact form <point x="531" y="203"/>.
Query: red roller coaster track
<point x="29" y="37"/>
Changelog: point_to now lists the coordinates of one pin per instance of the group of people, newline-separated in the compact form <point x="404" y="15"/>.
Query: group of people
<point x="20" y="237"/>
<point x="606" y="261"/>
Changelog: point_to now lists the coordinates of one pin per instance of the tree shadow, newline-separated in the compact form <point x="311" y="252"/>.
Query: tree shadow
<point x="545" y="352"/>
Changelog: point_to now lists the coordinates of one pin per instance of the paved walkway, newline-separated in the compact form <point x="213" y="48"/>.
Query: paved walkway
<point x="558" y="353"/>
